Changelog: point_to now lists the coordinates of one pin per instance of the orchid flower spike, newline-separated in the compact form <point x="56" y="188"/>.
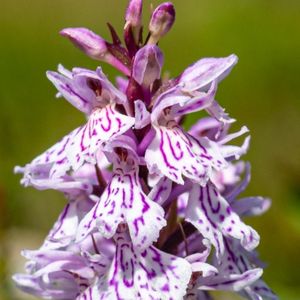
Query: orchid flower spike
<point x="153" y="211"/>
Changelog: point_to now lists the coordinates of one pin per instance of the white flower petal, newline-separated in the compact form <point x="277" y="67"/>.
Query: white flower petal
<point x="124" y="201"/>
<point x="151" y="274"/>
<point x="175" y="153"/>
<point x="210" y="213"/>
<point x="103" y="124"/>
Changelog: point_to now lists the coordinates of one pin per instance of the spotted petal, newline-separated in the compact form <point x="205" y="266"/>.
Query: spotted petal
<point x="210" y="213"/>
<point x="71" y="185"/>
<point x="234" y="282"/>
<point x="55" y="274"/>
<point x="75" y="89"/>
<point x="175" y="153"/>
<point x="161" y="191"/>
<point x="124" y="201"/>
<point x="65" y="228"/>
<point x="103" y="124"/>
<point x="146" y="275"/>
<point x="53" y="161"/>
<point x="235" y="263"/>
<point x="259" y="290"/>
<point x="86" y="89"/>
<point x="81" y="145"/>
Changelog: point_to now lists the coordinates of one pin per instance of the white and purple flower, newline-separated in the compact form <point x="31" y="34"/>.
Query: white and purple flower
<point x="153" y="212"/>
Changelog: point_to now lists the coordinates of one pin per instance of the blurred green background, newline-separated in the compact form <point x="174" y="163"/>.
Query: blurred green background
<point x="262" y="92"/>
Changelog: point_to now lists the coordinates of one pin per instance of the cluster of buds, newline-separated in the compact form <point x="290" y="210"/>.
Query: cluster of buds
<point x="153" y="211"/>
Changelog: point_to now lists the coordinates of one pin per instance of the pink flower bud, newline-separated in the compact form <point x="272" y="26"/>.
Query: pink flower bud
<point x="161" y="21"/>
<point x="87" y="41"/>
<point x="134" y="13"/>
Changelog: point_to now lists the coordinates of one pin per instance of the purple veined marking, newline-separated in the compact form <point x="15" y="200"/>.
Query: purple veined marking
<point x="177" y="157"/>
<point x="109" y="192"/>
<point x="67" y="88"/>
<point x="190" y="152"/>
<point x="242" y="260"/>
<point x="131" y="190"/>
<point x="60" y="162"/>
<point x="150" y="274"/>
<point x="123" y="205"/>
<point x="108" y="128"/>
<point x="61" y="220"/>
<point x="208" y="157"/>
<point x="119" y="125"/>
<point x="112" y="280"/>
<point x="163" y="152"/>
<point x="228" y="282"/>
<point x="107" y="227"/>
<point x="229" y="210"/>
<point x="63" y="147"/>
<point x="201" y="198"/>
<point x="190" y="107"/>
<point x="195" y="171"/>
<point x="146" y="206"/>
<point x="214" y="210"/>
<point x="136" y="226"/>
<point x="199" y="144"/>
<point x="117" y="191"/>
<point x="124" y="267"/>
<point x="113" y="206"/>
<point x="217" y="241"/>
<point x="161" y="189"/>
<point x="222" y="218"/>
<point x="82" y="147"/>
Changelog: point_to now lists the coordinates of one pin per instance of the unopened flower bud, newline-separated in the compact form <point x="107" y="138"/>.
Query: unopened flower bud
<point x="161" y="21"/>
<point x="87" y="41"/>
<point x="94" y="46"/>
<point x="134" y="13"/>
<point x="133" y="25"/>
<point x="147" y="65"/>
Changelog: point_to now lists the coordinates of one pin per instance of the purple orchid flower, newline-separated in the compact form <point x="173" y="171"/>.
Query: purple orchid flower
<point x="153" y="211"/>
<point x="134" y="274"/>
<point x="65" y="273"/>
<point x="94" y="95"/>
<point x="124" y="201"/>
